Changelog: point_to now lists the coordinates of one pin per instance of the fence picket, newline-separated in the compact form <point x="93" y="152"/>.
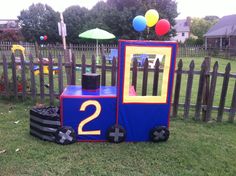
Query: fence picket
<point x="177" y="88"/>
<point x="212" y="92"/>
<point x="113" y="72"/>
<point x="232" y="111"/>
<point x="5" y="76"/>
<point x="200" y="91"/>
<point x="32" y="78"/>
<point x="14" y="78"/>
<point x="206" y="88"/>
<point x="41" y="78"/>
<point x="73" y="70"/>
<point x="93" y="66"/>
<point x="83" y="65"/>
<point x="103" y="76"/>
<point x="145" y="78"/>
<point x="135" y="73"/>
<point x="223" y="92"/>
<point x="156" y="78"/>
<point x="23" y="76"/>
<point x="189" y="90"/>
<point x="60" y="74"/>
<point x="51" y="82"/>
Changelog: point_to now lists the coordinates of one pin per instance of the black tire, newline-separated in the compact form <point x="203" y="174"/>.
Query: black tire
<point x="159" y="134"/>
<point x="116" y="134"/>
<point x="65" y="135"/>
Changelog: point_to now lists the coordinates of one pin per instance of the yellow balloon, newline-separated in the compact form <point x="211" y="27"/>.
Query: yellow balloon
<point x="152" y="16"/>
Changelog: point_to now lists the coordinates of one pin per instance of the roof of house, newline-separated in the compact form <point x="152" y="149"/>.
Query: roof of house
<point x="225" y="27"/>
<point x="182" y="26"/>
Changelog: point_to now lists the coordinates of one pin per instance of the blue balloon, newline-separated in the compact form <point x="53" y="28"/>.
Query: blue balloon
<point x="139" y="23"/>
<point x="41" y="37"/>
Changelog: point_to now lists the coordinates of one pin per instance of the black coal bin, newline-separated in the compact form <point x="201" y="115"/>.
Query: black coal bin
<point x="90" y="81"/>
<point x="44" y="122"/>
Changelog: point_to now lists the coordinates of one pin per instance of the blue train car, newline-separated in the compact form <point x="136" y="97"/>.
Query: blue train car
<point x="118" y="113"/>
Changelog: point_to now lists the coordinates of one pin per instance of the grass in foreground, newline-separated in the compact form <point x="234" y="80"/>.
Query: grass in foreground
<point x="193" y="149"/>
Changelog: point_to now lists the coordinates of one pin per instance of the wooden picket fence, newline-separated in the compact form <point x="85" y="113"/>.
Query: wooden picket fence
<point x="183" y="49"/>
<point x="48" y="86"/>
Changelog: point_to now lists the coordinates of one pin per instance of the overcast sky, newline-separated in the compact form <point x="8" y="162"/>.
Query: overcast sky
<point x="10" y="9"/>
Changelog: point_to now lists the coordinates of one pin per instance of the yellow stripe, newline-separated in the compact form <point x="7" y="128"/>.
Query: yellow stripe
<point x="129" y="52"/>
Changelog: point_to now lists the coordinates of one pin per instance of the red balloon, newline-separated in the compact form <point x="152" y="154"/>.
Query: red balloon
<point x="45" y="37"/>
<point x="162" y="27"/>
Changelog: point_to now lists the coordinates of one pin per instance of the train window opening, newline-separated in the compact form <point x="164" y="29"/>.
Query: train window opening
<point x="143" y="90"/>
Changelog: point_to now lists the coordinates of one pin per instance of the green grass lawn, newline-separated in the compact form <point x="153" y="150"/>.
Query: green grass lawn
<point x="192" y="149"/>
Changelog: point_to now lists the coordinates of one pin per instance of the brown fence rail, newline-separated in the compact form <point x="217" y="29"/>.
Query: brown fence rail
<point x="40" y="79"/>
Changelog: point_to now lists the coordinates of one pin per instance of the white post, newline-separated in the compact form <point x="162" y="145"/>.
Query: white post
<point x="97" y="58"/>
<point x="62" y="31"/>
<point x="97" y="49"/>
<point x="221" y="43"/>
<point x="205" y="43"/>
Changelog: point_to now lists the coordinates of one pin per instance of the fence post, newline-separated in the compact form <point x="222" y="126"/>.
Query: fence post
<point x="206" y="88"/>
<point x="223" y="93"/>
<point x="232" y="111"/>
<point x="212" y="92"/>
<point x="189" y="90"/>
<point x="177" y="88"/>
<point x="156" y="78"/>
<point x="200" y="91"/>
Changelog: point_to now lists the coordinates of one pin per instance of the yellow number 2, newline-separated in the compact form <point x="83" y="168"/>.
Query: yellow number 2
<point x="90" y="118"/>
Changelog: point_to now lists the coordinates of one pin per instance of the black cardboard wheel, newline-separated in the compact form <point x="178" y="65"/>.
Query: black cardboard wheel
<point x="116" y="134"/>
<point x="159" y="134"/>
<point x="65" y="135"/>
<point x="44" y="122"/>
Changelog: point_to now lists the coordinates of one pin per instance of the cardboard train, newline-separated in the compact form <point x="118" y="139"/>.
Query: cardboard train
<point x="94" y="113"/>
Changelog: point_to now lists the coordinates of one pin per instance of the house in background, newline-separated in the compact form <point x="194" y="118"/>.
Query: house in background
<point x="10" y="30"/>
<point x="223" y="34"/>
<point x="9" y="24"/>
<point x="182" y="28"/>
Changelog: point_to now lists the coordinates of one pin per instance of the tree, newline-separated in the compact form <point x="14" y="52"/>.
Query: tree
<point x="96" y="17"/>
<point x="11" y="35"/>
<point x="122" y="12"/>
<point x="39" y="20"/>
<point x="212" y="19"/>
<point x="75" y="18"/>
<point x="199" y="26"/>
